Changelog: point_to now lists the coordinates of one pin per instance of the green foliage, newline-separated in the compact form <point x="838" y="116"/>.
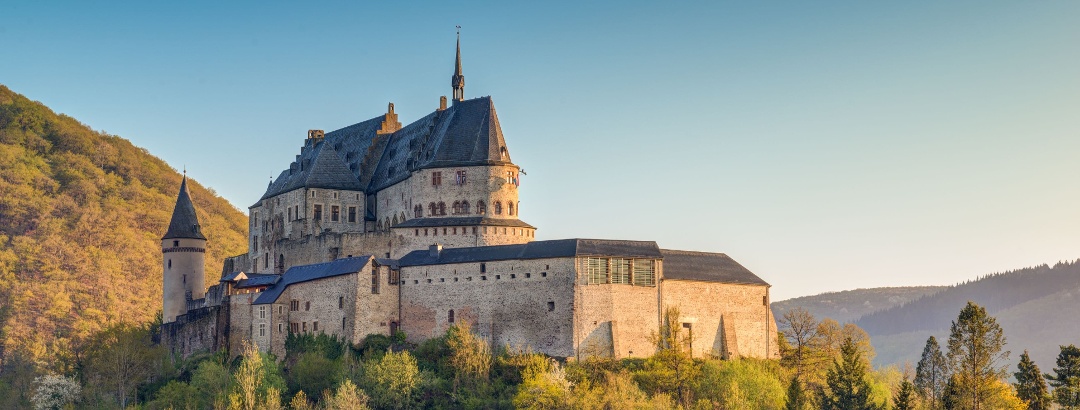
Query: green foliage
<point x="119" y="359"/>
<point x="905" y="398"/>
<point x="975" y="353"/>
<point x="81" y="217"/>
<point x="176" y="395"/>
<point x="743" y="383"/>
<point x="212" y="380"/>
<point x="847" y="384"/>
<point x="392" y="380"/>
<point x="1030" y="385"/>
<point x="470" y="356"/>
<point x="931" y="374"/>
<point x="313" y="373"/>
<point x="346" y="397"/>
<point x="1066" y="378"/>
<point x="671" y="370"/>
<point x="258" y="382"/>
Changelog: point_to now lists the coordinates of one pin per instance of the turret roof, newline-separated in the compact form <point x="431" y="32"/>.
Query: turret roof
<point x="184" y="222"/>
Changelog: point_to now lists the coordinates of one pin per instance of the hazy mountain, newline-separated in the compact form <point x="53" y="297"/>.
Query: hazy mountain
<point x="1035" y="307"/>
<point x="848" y="305"/>
<point x="81" y="219"/>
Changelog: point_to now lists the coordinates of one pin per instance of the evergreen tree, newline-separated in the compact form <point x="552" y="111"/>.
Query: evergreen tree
<point x="932" y="374"/>
<point x="905" y="397"/>
<point x="796" y="397"/>
<point x="1066" y="378"/>
<point x="1030" y="386"/>
<point x="847" y="386"/>
<point x="976" y="345"/>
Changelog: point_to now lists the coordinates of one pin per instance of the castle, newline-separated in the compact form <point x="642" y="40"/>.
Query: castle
<point x="377" y="228"/>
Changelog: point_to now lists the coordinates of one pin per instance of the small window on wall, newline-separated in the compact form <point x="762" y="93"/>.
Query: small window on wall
<point x="280" y="328"/>
<point x="307" y="306"/>
<point x="176" y="244"/>
<point x="341" y="302"/>
<point x="551" y="306"/>
<point x="315" y="326"/>
<point x="460" y="180"/>
<point x="374" y="280"/>
<point x="498" y="208"/>
<point x="352" y="214"/>
<point x="335" y="211"/>
<point x="644" y="272"/>
<point x="450" y="316"/>
<point x="509" y="208"/>
<point x="481" y="208"/>
<point x="262" y="329"/>
<point x="436" y="178"/>
<point x="317" y="214"/>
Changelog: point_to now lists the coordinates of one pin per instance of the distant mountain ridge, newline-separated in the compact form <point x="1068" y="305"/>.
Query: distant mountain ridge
<point x="849" y="305"/>
<point x="81" y="219"/>
<point x="1035" y="306"/>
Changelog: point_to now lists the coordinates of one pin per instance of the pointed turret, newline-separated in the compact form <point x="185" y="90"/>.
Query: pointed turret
<point x="458" y="80"/>
<point x="184" y="251"/>
<point x="184" y="223"/>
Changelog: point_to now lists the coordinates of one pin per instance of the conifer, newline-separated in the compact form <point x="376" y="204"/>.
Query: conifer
<point x="1030" y="386"/>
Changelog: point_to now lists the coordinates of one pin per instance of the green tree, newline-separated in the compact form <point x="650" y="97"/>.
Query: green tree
<point x="976" y="344"/>
<point x="847" y="387"/>
<point x="392" y="380"/>
<point x="797" y="399"/>
<point x="346" y="397"/>
<point x="1066" y="378"/>
<point x="212" y="381"/>
<point x="313" y="373"/>
<point x="1030" y="385"/>
<point x="905" y="397"/>
<point x="931" y="374"/>
<point x="256" y="384"/>
<point x="755" y="382"/>
<point x="671" y="370"/>
<point x="121" y="358"/>
<point x="176" y="395"/>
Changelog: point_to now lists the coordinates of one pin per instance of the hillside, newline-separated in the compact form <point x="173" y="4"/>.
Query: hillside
<point x="1032" y="305"/>
<point x="81" y="217"/>
<point x="848" y="305"/>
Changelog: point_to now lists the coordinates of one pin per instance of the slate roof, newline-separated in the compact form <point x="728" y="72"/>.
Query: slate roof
<point x="462" y="220"/>
<point x="184" y="222"/>
<point x="465" y="134"/>
<point x="257" y="279"/>
<point x="535" y="250"/>
<point x="306" y="273"/>
<point x="706" y="267"/>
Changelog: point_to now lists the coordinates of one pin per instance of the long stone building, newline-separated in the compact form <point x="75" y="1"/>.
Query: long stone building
<point x="377" y="228"/>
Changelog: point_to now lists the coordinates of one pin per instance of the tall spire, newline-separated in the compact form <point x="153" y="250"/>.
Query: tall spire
<point x="184" y="222"/>
<point x="458" y="80"/>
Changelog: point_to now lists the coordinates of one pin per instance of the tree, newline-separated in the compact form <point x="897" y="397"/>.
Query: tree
<point x="346" y="397"/>
<point x="976" y="345"/>
<point x="931" y="374"/>
<point x="121" y="358"/>
<point x="905" y="397"/>
<point x="847" y="386"/>
<point x="55" y="392"/>
<point x="1066" y="378"/>
<point x="671" y="370"/>
<point x="1030" y="385"/>
<point x="796" y="396"/>
<point x="254" y="388"/>
<point x="800" y="328"/>
<point x="392" y="380"/>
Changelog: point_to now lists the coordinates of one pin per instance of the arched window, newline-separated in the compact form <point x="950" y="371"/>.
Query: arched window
<point x="450" y="316"/>
<point x="456" y="207"/>
<point x="498" y="208"/>
<point x="378" y="226"/>
<point x="432" y="210"/>
<point x="442" y="208"/>
<point x="465" y="207"/>
<point x="395" y="220"/>
<point x="509" y="208"/>
<point x="418" y="211"/>
<point x="481" y="208"/>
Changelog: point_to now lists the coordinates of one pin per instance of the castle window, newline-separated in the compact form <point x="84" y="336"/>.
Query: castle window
<point x="342" y="323"/>
<point x="262" y="312"/>
<point x="304" y="327"/>
<point x="509" y="208"/>
<point x="455" y="230"/>
<point x="313" y="193"/>
<point x="418" y="211"/>
<point x="644" y="272"/>
<point x="341" y="302"/>
<point x="482" y="277"/>
<point x="262" y="329"/>
<point x="294" y="327"/>
<point x="417" y="233"/>
<point x="281" y="264"/>
<point x="436" y="178"/>
<point x="185" y="278"/>
<point x="497" y="277"/>
<point x="551" y="306"/>
<point x="432" y="209"/>
<point x="483" y="267"/>
<point x="498" y="208"/>
<point x="307" y="306"/>
<point x="425" y="231"/>
<point x="352" y="214"/>
<point x="513" y="276"/>
<point x="170" y="263"/>
<point x="279" y="310"/>
<point x="465" y="207"/>
<point x="481" y="208"/>
<point x="442" y="208"/>
<point x="315" y="326"/>
<point x="394" y="277"/>
<point x="266" y="261"/>
<point x="335" y="195"/>
<point x="317" y="214"/>
<point x="290" y="213"/>
<point x="456" y="208"/>
<point x="335" y="212"/>
<point x="460" y="180"/>
<point x="450" y="316"/>
<point x="280" y="328"/>
<point x="543" y="274"/>
<point x="597" y="270"/>
<point x="474" y="230"/>
<point x="296" y="211"/>
<point x="528" y="275"/>
<point x="294" y="305"/>
<point x="620" y="271"/>
<point x="374" y="280"/>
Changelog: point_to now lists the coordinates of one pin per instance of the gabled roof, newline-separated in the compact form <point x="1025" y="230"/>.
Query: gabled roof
<point x="184" y="222"/>
<point x="535" y="250"/>
<point x="465" y="134"/>
<point x="256" y="280"/>
<point x="462" y="221"/>
<point x="306" y="273"/>
<point x="706" y="267"/>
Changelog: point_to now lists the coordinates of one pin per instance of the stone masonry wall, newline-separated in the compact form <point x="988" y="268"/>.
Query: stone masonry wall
<point x="517" y="303"/>
<point x="199" y="330"/>
<point x="712" y="308"/>
<point x="615" y="319"/>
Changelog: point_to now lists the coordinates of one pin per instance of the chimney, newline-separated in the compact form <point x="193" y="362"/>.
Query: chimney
<point x="442" y="103"/>
<point x="434" y="250"/>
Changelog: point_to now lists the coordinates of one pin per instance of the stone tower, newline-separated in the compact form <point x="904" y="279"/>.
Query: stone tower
<point x="184" y="251"/>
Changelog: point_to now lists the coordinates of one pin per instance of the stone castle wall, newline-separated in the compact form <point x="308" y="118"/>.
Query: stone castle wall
<point x="727" y="320"/>
<point x="518" y="303"/>
<point x="205" y="329"/>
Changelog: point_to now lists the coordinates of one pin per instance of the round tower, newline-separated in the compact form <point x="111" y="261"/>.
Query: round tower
<point x="184" y="251"/>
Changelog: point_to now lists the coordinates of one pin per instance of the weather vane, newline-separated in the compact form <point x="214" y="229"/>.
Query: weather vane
<point x="458" y="30"/>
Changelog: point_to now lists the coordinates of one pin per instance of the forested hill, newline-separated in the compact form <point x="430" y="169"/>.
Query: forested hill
<point x="81" y="219"/>
<point x="849" y="305"/>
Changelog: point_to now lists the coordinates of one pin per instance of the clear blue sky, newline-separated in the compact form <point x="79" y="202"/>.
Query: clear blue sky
<point x="824" y="145"/>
